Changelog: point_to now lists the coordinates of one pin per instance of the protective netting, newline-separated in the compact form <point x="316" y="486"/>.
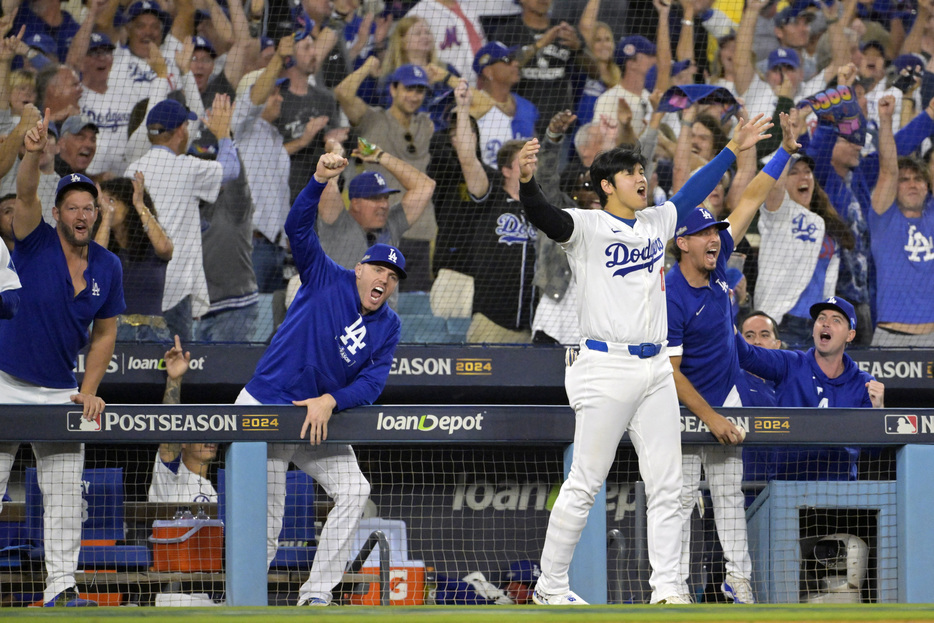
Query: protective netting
<point x="204" y="249"/>
<point x="465" y="525"/>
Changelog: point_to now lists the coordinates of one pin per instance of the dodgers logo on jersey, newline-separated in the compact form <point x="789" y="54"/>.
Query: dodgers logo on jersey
<point x="634" y="259"/>
<point x="802" y="230"/>
<point x="352" y="339"/>
<point x="513" y="229"/>
<point x="920" y="248"/>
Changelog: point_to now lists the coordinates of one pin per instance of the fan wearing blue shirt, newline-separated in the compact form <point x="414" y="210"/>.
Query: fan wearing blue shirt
<point x="333" y="352"/>
<point x="823" y="377"/>
<point x="69" y="283"/>
<point x="706" y="368"/>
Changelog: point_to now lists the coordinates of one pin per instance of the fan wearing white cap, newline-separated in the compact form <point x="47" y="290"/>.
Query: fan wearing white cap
<point x="333" y="352"/>
<point x="69" y="283"/>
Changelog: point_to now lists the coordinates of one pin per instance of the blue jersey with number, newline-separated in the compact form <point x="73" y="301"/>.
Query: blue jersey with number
<point x="325" y="345"/>
<point x="40" y="343"/>
<point x="799" y="381"/>
<point x="700" y="322"/>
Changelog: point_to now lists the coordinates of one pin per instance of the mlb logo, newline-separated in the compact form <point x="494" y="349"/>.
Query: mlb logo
<point x="77" y="423"/>
<point x="901" y="424"/>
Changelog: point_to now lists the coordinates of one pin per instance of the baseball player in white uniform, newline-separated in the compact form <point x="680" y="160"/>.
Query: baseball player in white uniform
<point x="622" y="380"/>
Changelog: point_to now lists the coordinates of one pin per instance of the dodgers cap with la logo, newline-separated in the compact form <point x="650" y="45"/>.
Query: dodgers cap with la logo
<point x="386" y="255"/>
<point x="697" y="220"/>
<point x="369" y="184"/>
<point x="74" y="181"/>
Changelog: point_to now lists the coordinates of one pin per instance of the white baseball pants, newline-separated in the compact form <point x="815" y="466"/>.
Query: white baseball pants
<point x="612" y="393"/>
<point x="335" y="468"/>
<point x="59" y="468"/>
<point x="723" y="466"/>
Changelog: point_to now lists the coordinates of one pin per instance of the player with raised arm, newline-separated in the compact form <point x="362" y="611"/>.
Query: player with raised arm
<point x="69" y="283"/>
<point x="333" y="352"/>
<point x="622" y="380"/>
<point x="706" y="368"/>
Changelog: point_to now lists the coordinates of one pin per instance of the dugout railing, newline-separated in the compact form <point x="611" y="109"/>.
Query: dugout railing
<point x="248" y="428"/>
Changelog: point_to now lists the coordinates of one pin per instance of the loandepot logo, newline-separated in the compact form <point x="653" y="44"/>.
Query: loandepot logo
<point x="428" y="422"/>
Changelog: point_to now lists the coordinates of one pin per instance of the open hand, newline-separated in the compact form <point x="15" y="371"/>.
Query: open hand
<point x="791" y="129"/>
<point x="528" y="159"/>
<point x="748" y="133"/>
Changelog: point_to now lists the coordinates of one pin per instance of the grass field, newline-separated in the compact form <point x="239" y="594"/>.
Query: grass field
<point x="468" y="614"/>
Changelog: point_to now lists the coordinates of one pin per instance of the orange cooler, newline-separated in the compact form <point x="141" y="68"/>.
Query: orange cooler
<point x="187" y="545"/>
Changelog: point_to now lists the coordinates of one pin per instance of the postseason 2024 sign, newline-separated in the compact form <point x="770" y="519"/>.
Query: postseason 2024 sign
<point x="425" y="367"/>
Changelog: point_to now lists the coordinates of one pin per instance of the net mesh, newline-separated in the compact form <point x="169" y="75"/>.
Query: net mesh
<point x="204" y="249"/>
<point x="205" y="253"/>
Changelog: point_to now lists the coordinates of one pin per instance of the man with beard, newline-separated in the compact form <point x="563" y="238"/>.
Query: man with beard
<point x="69" y="283"/>
<point x="333" y="352"/>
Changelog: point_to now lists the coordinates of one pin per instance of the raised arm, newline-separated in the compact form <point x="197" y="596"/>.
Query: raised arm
<point x="266" y="82"/>
<point x="346" y="92"/>
<point x="27" y="213"/>
<point x="465" y="144"/>
<point x="245" y="48"/>
<point x="554" y="223"/>
<point x="418" y="187"/>
<point x="183" y="24"/>
<point x="176" y="365"/>
<point x="744" y="67"/>
<point x="161" y="243"/>
<point x="82" y="39"/>
<point x="757" y="190"/>
<point x="663" y="44"/>
<point x="551" y="153"/>
<point x="883" y="195"/>
<point x="588" y="22"/>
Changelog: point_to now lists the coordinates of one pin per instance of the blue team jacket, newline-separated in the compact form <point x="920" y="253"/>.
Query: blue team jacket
<point x="799" y="381"/>
<point x="325" y="345"/>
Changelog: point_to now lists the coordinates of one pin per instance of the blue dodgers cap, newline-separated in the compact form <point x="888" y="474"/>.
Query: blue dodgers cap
<point x="44" y="43"/>
<point x="524" y="571"/>
<point x="203" y="44"/>
<point x="146" y="6"/>
<point x="369" y="184"/>
<point x="628" y="47"/>
<point x="100" y="40"/>
<point x="697" y="220"/>
<point x="784" y="56"/>
<point x="490" y="53"/>
<point x="74" y="181"/>
<point x="169" y="114"/>
<point x="387" y="255"/>
<point x="836" y="303"/>
<point x="410" y="76"/>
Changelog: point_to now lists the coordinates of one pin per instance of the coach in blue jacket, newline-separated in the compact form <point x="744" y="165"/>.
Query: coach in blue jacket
<point x="333" y="352"/>
<point x="824" y="376"/>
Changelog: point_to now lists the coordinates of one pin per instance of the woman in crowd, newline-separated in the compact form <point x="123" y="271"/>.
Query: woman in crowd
<point x="129" y="228"/>
<point x="799" y="252"/>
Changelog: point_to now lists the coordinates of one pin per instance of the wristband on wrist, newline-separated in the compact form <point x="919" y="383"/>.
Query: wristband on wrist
<point x="776" y="165"/>
<point x="687" y="22"/>
<point x="379" y="156"/>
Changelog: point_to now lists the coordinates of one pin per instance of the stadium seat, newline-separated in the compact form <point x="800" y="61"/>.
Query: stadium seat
<point x="103" y="529"/>
<point x="413" y="303"/>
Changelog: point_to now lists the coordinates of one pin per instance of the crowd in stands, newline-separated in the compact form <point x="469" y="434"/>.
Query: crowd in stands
<point x="202" y="120"/>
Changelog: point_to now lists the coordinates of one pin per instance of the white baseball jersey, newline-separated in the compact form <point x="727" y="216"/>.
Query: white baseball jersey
<point x="620" y="272"/>
<point x="181" y="486"/>
<point x="8" y="278"/>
